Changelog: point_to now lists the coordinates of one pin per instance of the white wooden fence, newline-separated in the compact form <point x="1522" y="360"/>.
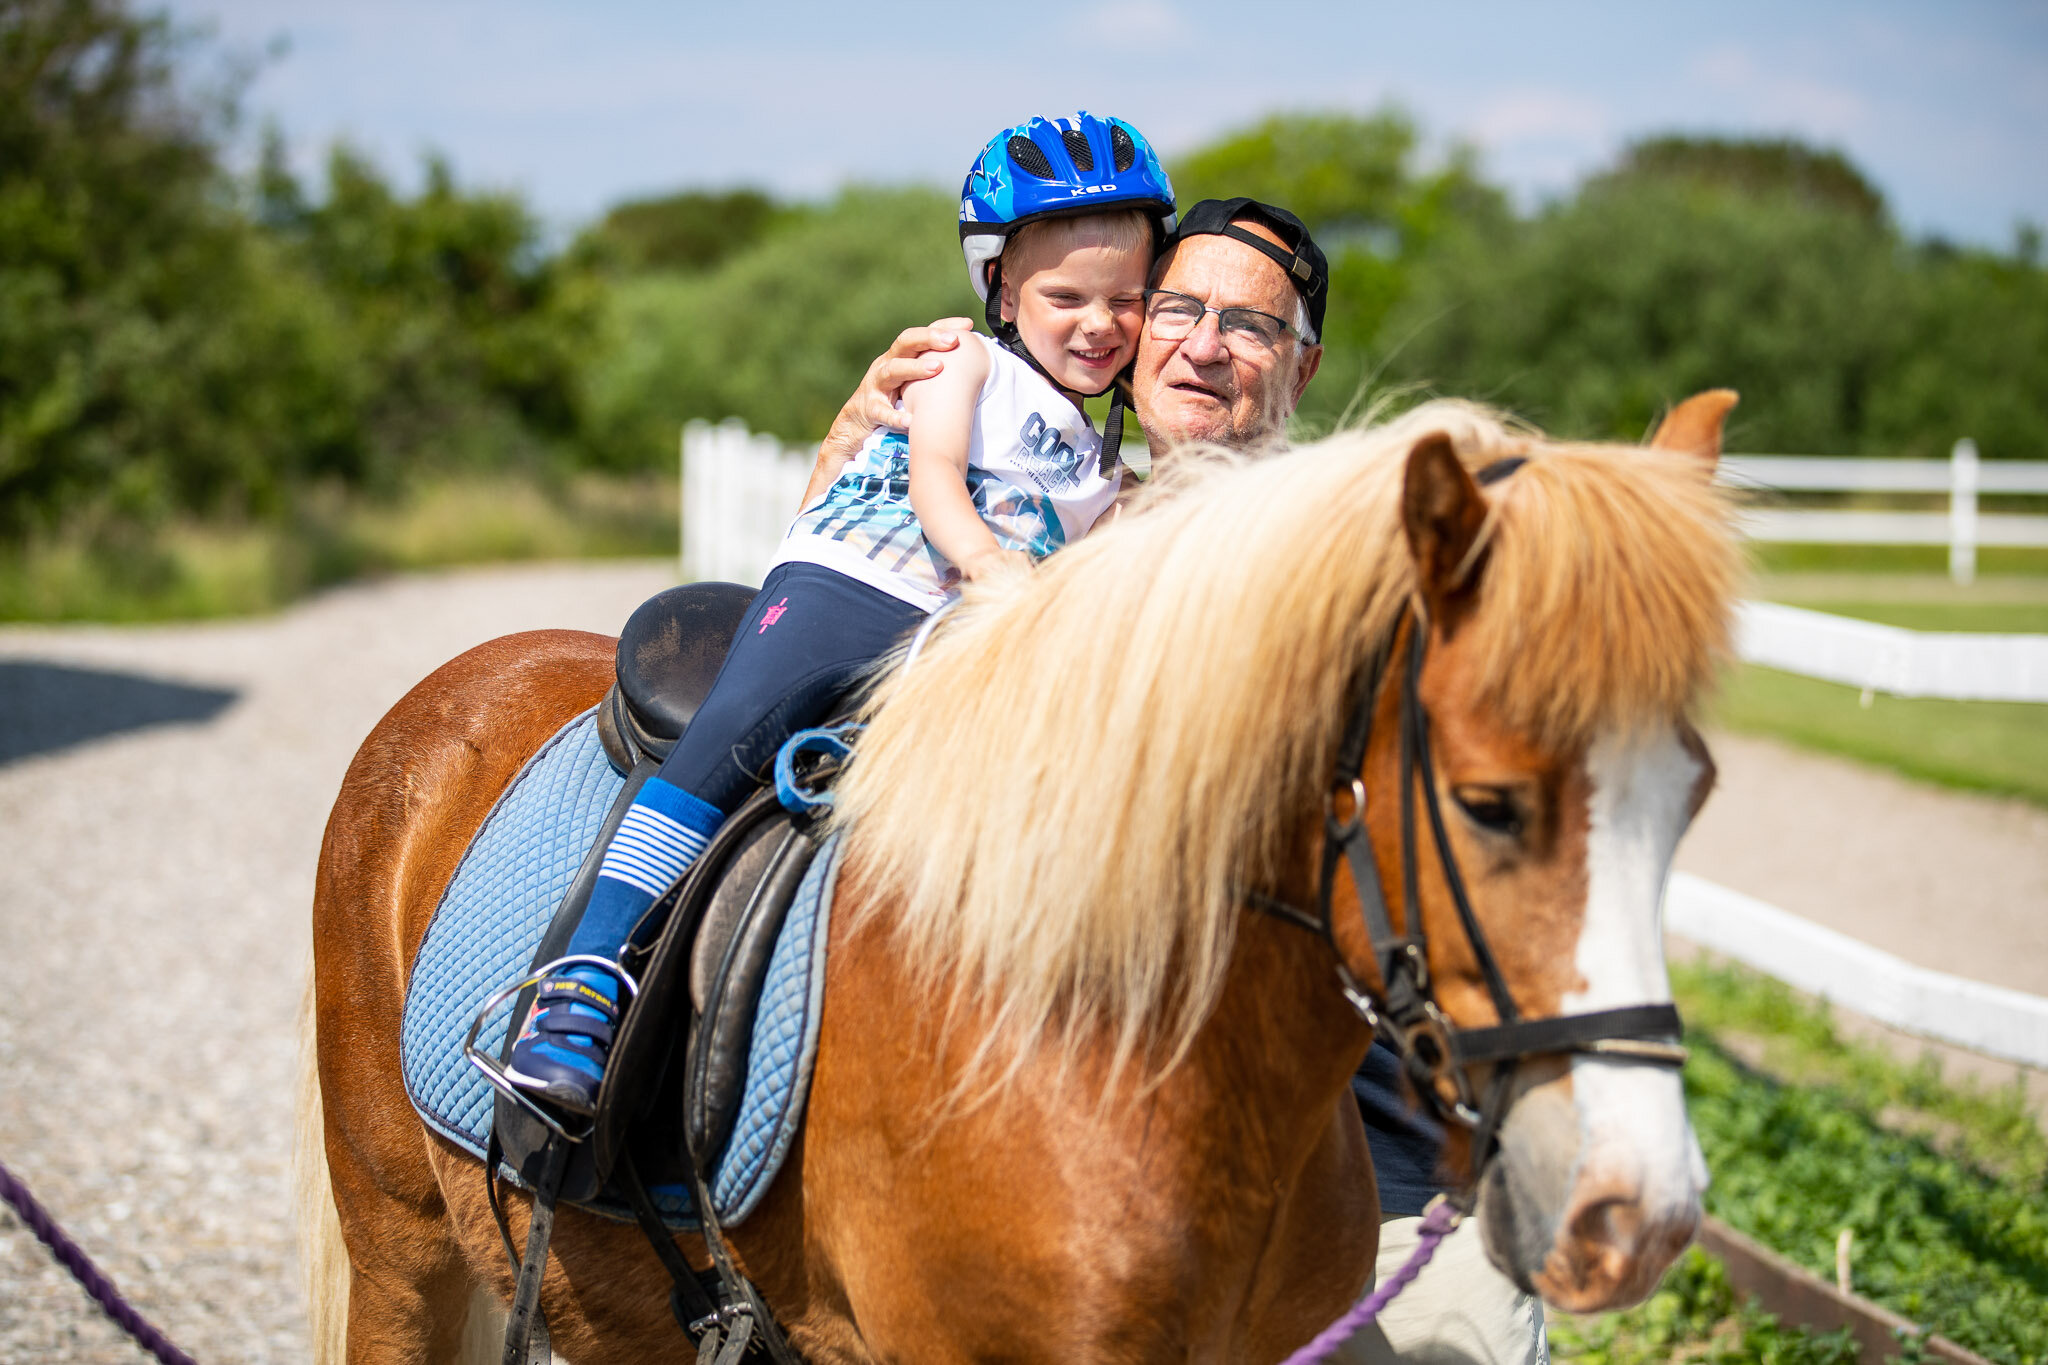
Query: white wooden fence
<point x="739" y="493"/>
<point x="1903" y="663"/>
<point x="1930" y="1004"/>
<point x="1962" y="477"/>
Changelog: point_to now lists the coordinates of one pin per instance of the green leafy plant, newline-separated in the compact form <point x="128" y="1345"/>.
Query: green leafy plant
<point x="1943" y="1185"/>
<point x="1695" y="1316"/>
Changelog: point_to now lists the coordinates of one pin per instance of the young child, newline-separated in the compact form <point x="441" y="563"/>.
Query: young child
<point x="1059" y="220"/>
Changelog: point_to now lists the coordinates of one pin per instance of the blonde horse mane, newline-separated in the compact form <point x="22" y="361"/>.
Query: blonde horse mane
<point x="1070" y="787"/>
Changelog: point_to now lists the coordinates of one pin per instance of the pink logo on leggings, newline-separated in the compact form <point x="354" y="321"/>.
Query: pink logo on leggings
<point x="772" y="615"/>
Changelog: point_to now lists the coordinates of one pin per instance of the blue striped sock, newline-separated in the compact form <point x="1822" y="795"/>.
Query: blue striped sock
<point x="661" y="834"/>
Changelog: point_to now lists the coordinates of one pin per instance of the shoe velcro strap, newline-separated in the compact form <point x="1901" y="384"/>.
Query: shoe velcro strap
<point x="557" y="989"/>
<point x="562" y="1023"/>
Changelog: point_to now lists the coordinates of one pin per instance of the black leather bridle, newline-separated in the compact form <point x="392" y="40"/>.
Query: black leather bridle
<point x="1438" y="1055"/>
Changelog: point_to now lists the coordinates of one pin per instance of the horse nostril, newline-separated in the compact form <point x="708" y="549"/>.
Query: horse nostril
<point x="1609" y="1229"/>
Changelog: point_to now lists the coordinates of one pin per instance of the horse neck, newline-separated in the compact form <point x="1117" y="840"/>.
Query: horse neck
<point x="1279" y="1052"/>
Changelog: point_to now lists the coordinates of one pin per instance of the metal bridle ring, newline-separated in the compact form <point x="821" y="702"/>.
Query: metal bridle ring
<point x="1345" y="828"/>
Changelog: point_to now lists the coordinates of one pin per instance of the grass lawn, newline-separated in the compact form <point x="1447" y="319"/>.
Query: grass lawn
<point x="187" y="570"/>
<point x="1999" y="747"/>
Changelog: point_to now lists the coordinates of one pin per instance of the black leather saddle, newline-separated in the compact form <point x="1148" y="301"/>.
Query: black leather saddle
<point x="677" y="1068"/>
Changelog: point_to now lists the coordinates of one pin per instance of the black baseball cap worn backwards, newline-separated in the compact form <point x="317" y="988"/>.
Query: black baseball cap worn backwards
<point x="1306" y="266"/>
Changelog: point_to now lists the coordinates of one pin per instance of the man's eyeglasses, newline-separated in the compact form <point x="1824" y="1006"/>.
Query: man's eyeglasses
<point x="1171" y="317"/>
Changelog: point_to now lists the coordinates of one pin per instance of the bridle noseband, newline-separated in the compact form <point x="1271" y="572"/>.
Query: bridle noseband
<point x="1436" y="1054"/>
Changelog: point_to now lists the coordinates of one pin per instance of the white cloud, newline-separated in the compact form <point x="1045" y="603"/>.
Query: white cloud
<point x="1760" y="91"/>
<point x="1540" y="116"/>
<point x="1725" y="64"/>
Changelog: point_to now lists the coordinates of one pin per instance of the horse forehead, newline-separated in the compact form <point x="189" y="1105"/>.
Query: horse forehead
<point x="1641" y="782"/>
<point x="1640" y="790"/>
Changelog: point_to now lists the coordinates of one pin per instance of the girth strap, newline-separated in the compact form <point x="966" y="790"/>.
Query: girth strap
<point x="745" y="1317"/>
<point x="688" y="1300"/>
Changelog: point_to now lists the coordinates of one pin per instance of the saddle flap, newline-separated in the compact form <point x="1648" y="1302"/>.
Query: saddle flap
<point x="642" y="1064"/>
<point x="727" y="970"/>
<point x="731" y="901"/>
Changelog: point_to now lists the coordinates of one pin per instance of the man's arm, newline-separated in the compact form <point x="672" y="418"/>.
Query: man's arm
<point x="911" y="357"/>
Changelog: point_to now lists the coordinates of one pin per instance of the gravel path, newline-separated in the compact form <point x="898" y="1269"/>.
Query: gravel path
<point x="1949" y="880"/>
<point x="162" y="793"/>
<point x="155" y="885"/>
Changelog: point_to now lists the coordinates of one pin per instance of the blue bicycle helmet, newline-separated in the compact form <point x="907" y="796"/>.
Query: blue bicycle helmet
<point x="1049" y="168"/>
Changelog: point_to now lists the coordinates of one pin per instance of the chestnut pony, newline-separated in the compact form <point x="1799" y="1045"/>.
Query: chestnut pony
<point x="1074" y="1099"/>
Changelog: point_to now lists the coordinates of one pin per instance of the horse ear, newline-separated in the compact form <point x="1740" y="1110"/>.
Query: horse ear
<point x="1694" y="426"/>
<point x="1443" y="511"/>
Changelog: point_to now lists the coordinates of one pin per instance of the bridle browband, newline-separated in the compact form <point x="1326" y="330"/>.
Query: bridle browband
<point x="1436" y="1054"/>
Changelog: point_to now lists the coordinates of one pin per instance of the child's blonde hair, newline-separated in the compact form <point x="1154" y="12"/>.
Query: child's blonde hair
<point x="1117" y="229"/>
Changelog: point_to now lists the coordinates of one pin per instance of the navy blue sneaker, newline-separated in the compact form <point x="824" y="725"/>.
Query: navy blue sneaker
<point x="560" y="1055"/>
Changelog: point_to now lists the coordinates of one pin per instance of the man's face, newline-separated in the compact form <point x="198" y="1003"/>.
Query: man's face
<point x="1196" y="389"/>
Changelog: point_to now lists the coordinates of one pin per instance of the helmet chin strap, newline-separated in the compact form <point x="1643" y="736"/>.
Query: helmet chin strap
<point x="1007" y="336"/>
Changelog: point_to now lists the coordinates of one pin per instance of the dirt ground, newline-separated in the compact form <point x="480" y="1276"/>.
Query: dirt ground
<point x="1949" y="880"/>
<point x="162" y="794"/>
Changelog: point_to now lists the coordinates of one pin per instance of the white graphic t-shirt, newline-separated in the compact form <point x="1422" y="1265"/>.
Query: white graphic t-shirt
<point x="1033" y="470"/>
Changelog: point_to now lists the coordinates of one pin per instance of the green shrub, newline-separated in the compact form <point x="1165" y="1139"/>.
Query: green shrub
<point x="780" y="333"/>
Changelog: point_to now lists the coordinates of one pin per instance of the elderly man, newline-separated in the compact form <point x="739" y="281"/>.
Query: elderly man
<point x="1200" y="384"/>
<point x="1229" y="346"/>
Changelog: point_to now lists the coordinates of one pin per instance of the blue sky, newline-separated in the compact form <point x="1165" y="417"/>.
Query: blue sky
<point x="578" y="106"/>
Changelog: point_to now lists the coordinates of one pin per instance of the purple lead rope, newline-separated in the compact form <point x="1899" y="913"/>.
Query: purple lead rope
<point x="73" y="1258"/>
<point x="1439" y="1221"/>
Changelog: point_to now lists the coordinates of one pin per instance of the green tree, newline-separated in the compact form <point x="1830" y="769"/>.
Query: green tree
<point x="1361" y="186"/>
<point x="1346" y="177"/>
<point x="1757" y="168"/>
<point x="779" y="333"/>
<point x="1768" y="267"/>
<point x="146" y="360"/>
<point x="1972" y="358"/>
<point x="466" y="336"/>
<point x="1602" y="311"/>
<point x="694" y="230"/>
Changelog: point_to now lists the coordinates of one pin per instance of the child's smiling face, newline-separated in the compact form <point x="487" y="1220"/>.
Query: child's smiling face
<point x="1078" y="299"/>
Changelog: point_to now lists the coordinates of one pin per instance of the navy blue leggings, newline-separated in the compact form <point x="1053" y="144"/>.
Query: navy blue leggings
<point x="809" y="636"/>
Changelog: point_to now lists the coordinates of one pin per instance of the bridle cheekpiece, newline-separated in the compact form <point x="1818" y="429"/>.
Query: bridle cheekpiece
<point x="1436" y="1054"/>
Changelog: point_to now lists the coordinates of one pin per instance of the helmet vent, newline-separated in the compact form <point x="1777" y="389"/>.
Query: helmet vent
<point x="1078" y="148"/>
<point x="1122" y="148"/>
<point x="1029" y="159"/>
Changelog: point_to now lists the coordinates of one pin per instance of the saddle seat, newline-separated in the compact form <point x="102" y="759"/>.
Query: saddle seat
<point x="670" y="652"/>
<point x="677" y="1071"/>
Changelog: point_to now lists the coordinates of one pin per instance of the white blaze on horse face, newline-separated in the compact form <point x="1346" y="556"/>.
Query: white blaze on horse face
<point x="1633" y="1131"/>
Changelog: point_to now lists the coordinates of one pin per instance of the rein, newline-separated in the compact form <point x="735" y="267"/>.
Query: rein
<point x="1439" y="1221"/>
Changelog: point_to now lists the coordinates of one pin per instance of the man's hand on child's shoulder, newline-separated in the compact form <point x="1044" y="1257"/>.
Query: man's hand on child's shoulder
<point x="911" y="357"/>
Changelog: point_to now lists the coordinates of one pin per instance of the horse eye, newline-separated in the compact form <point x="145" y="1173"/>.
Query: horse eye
<point x="1490" y="808"/>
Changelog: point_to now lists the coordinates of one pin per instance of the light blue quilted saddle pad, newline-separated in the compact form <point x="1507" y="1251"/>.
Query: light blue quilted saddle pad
<point x="489" y="924"/>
